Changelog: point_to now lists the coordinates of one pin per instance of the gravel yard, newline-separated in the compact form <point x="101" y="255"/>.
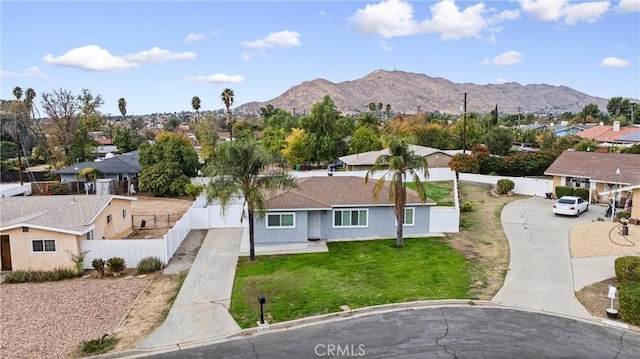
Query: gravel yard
<point x="603" y="238"/>
<point x="49" y="320"/>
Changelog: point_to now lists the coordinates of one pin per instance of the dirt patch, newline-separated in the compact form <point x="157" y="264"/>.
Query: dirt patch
<point x="594" y="297"/>
<point x="158" y="213"/>
<point x="482" y="239"/>
<point x="148" y="311"/>
<point x="603" y="238"/>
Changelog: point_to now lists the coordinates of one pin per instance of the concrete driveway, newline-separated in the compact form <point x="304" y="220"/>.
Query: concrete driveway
<point x="540" y="274"/>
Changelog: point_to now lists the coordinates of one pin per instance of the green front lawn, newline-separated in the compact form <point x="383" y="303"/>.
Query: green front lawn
<point x="439" y="191"/>
<point x="357" y="274"/>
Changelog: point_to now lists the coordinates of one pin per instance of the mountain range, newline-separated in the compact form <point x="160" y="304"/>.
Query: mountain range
<point x="411" y="93"/>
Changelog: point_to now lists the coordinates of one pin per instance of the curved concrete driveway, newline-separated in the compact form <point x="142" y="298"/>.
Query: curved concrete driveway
<point x="540" y="274"/>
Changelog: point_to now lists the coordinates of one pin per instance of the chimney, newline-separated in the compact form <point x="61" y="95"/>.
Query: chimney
<point x="616" y="126"/>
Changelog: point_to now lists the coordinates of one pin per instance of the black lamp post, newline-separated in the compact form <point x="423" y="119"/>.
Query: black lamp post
<point x="262" y="300"/>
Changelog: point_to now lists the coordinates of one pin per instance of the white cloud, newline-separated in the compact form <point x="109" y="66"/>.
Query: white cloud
<point x="385" y="46"/>
<point x="95" y="58"/>
<point x="452" y="23"/>
<point x="505" y="15"/>
<point x="90" y="57"/>
<point x="614" y="62"/>
<point x="627" y="6"/>
<point x="388" y="19"/>
<point x="505" y="58"/>
<point x="588" y="11"/>
<point x="281" y="39"/>
<point x="33" y="72"/>
<point x="544" y="10"/>
<point x="157" y="56"/>
<point x="500" y="80"/>
<point x="247" y="55"/>
<point x="194" y="37"/>
<point x="216" y="78"/>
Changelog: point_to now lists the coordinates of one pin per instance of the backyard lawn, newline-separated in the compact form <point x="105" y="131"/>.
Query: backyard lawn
<point x="439" y="191"/>
<point x="357" y="274"/>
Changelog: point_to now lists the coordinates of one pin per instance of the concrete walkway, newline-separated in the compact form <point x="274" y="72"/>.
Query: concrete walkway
<point x="540" y="272"/>
<point x="201" y="309"/>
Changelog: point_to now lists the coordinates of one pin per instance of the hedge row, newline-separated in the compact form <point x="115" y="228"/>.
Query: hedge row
<point x="572" y="191"/>
<point x="628" y="272"/>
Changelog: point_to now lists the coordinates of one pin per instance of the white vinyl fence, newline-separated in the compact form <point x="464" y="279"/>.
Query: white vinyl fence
<point x="523" y="185"/>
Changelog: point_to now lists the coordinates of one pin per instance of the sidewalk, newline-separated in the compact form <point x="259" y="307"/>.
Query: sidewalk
<point x="201" y="310"/>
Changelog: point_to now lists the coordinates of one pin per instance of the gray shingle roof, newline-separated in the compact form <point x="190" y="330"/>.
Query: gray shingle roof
<point x="125" y="163"/>
<point x="334" y="191"/>
<point x="72" y="214"/>
<point x="369" y="158"/>
<point x="600" y="167"/>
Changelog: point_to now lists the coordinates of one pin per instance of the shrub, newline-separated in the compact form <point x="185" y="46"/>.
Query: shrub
<point x="98" y="265"/>
<point x="623" y="215"/>
<point x="564" y="191"/>
<point x="57" y="188"/>
<point x="98" y="346"/>
<point x="627" y="268"/>
<point x="78" y="260"/>
<point x="193" y="190"/>
<point x="505" y="185"/>
<point x="149" y="265"/>
<point x="115" y="264"/>
<point x="581" y="192"/>
<point x="60" y="273"/>
<point x="467" y="206"/>
<point x="630" y="302"/>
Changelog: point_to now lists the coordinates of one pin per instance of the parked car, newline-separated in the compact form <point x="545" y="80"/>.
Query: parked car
<point x="570" y="205"/>
<point x="336" y="165"/>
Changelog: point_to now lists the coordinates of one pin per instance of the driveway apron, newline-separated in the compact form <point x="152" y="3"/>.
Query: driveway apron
<point x="201" y="309"/>
<point x="540" y="273"/>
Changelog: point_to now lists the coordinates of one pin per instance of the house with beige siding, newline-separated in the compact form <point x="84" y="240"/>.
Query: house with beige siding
<point x="41" y="232"/>
<point x="364" y="161"/>
<point x="335" y="208"/>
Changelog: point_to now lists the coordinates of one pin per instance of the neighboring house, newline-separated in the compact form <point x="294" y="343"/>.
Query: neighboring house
<point x="41" y="232"/>
<point x="610" y="134"/>
<point x="121" y="167"/>
<point x="364" y="161"/>
<point x="337" y="207"/>
<point x="564" y="130"/>
<point x="595" y="171"/>
<point x="631" y="192"/>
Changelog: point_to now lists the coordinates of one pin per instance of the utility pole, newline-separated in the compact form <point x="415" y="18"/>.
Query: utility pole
<point x="418" y="111"/>
<point x="19" y="156"/>
<point x="464" y="126"/>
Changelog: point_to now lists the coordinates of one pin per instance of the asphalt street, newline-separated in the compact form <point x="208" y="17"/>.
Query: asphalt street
<point x="445" y="332"/>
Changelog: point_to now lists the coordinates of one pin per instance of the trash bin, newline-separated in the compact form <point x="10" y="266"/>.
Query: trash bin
<point x="624" y="230"/>
<point x="298" y="167"/>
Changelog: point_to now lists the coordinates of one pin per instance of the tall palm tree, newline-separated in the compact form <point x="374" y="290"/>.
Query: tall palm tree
<point x="388" y="111"/>
<point x="372" y="106"/>
<point x="122" y="106"/>
<point x="242" y="169"/>
<point x="399" y="163"/>
<point x="227" y="98"/>
<point x="17" y="92"/>
<point x="195" y="103"/>
<point x="380" y="110"/>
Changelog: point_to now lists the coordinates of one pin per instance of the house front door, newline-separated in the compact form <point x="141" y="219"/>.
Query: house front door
<point x="313" y="224"/>
<point x="5" y="249"/>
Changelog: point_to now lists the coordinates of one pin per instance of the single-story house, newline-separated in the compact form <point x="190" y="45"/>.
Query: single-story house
<point x="564" y="130"/>
<point x="118" y="168"/>
<point x="40" y="232"/>
<point x="364" y="161"/>
<point x="610" y="134"/>
<point x="631" y="192"/>
<point x="595" y="171"/>
<point x="337" y="207"/>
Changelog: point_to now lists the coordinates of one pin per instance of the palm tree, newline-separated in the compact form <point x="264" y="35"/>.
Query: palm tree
<point x="195" y="103"/>
<point x="122" y="106"/>
<point x="227" y="99"/>
<point x="372" y="106"/>
<point x="388" y="111"/>
<point x="240" y="170"/>
<point x="380" y="110"/>
<point x="399" y="163"/>
<point x="17" y="92"/>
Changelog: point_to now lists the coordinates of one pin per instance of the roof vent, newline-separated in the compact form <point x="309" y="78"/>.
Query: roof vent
<point x="616" y="126"/>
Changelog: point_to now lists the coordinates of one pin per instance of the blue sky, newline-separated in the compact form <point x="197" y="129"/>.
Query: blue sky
<point x="159" y="54"/>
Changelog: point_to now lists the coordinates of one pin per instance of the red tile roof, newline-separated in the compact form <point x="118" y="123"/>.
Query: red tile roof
<point x="333" y="191"/>
<point x="606" y="133"/>
<point x="599" y="167"/>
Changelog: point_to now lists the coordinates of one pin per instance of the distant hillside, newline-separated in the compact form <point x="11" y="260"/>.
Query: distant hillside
<point x="405" y="92"/>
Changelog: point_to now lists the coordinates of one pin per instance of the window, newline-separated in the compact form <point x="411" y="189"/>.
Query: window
<point x="409" y="216"/>
<point x="281" y="220"/>
<point x="43" y="245"/>
<point x="109" y="218"/>
<point x="90" y="235"/>
<point x="25" y="229"/>
<point x="124" y="213"/>
<point x="350" y="218"/>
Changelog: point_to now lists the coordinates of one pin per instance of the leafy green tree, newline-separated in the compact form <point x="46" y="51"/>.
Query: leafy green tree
<point x="281" y="119"/>
<point x="207" y="136"/>
<point x="399" y="163"/>
<point x="364" y="139"/>
<point x="274" y="139"/>
<point x="8" y="149"/>
<point x="172" y="153"/>
<point x="590" y="113"/>
<point x="433" y="135"/>
<point x="245" y="129"/>
<point x="62" y="108"/>
<point x="369" y="120"/>
<point x="171" y="124"/>
<point x="499" y="140"/>
<point x="465" y="163"/>
<point x="296" y="150"/>
<point x="320" y="126"/>
<point x="267" y="111"/>
<point x="586" y="145"/>
<point x="475" y="133"/>
<point x="619" y="106"/>
<point x="243" y="169"/>
<point x="126" y="139"/>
